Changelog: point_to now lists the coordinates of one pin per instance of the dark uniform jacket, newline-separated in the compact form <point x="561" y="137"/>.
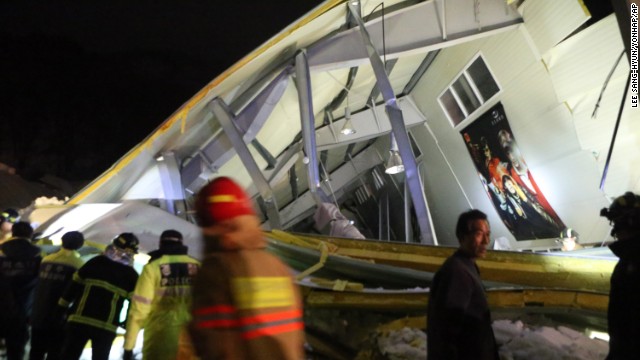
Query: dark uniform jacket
<point x="624" y="301"/>
<point x="458" y="317"/>
<point x="56" y="272"/>
<point x="19" y="265"/>
<point x="246" y="305"/>
<point x="98" y="291"/>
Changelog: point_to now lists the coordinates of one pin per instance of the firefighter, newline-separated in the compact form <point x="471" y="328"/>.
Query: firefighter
<point x="19" y="265"/>
<point x="96" y="296"/>
<point x="161" y="300"/>
<point x="245" y="303"/>
<point x="56" y="272"/>
<point x="624" y="297"/>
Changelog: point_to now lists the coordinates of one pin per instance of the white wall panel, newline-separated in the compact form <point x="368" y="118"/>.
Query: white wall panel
<point x="579" y="67"/>
<point x="570" y="184"/>
<point x="547" y="136"/>
<point x="550" y="21"/>
<point x="542" y="123"/>
<point x="582" y="62"/>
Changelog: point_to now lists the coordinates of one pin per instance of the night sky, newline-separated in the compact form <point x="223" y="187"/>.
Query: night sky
<point x="82" y="82"/>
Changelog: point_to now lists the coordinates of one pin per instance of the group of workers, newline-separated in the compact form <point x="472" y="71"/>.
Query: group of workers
<point x="240" y="303"/>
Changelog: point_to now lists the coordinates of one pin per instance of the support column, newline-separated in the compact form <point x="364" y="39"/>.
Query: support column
<point x="400" y="132"/>
<point x="171" y="182"/>
<point x="225" y="117"/>
<point x="303" y="84"/>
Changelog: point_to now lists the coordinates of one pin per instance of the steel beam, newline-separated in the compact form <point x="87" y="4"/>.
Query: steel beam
<point x="304" y="205"/>
<point x="225" y="117"/>
<point x="218" y="150"/>
<point x="400" y="132"/>
<point x="303" y="84"/>
<point x="367" y="126"/>
<point x="416" y="29"/>
<point x="170" y="178"/>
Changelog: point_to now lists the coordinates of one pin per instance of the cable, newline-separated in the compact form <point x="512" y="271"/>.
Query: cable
<point x="606" y="82"/>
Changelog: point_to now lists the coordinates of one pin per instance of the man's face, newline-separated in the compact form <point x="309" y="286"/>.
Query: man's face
<point x="6" y="227"/>
<point x="476" y="241"/>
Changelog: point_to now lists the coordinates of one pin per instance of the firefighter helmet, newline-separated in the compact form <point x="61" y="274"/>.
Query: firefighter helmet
<point x="127" y="242"/>
<point x="624" y="212"/>
<point x="220" y="200"/>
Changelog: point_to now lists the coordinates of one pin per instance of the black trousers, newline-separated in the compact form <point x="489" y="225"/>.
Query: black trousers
<point x="16" y="335"/>
<point x="46" y="341"/>
<point x="76" y="337"/>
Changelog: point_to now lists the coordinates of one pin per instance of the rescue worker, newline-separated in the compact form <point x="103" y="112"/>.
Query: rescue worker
<point x="96" y="295"/>
<point x="56" y="272"/>
<point x="7" y="218"/>
<point x="245" y="303"/>
<point x="624" y="296"/>
<point x="19" y="265"/>
<point x="161" y="300"/>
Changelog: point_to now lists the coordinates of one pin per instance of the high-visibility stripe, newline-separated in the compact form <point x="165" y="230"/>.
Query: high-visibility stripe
<point x="106" y="285"/>
<point x="262" y="292"/>
<point x="266" y="318"/>
<point x="93" y="322"/>
<point x="141" y="299"/>
<point x="215" y="309"/>
<point x="223" y="317"/>
<point x="221" y="198"/>
<point x="272" y="330"/>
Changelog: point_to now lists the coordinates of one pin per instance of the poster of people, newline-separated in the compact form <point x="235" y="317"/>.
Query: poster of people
<point x="507" y="179"/>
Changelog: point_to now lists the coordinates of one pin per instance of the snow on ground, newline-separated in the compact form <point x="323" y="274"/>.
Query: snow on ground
<point x="520" y="341"/>
<point x="517" y="341"/>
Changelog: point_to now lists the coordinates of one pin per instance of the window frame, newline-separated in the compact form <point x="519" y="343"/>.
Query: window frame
<point x="474" y="88"/>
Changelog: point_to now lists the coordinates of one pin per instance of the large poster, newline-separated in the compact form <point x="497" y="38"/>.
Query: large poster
<point x="507" y="179"/>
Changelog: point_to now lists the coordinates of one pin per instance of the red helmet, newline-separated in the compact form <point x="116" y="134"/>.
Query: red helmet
<point x="220" y="200"/>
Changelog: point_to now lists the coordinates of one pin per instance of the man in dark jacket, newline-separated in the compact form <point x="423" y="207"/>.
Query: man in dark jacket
<point x="624" y="297"/>
<point x="56" y="272"/>
<point x="458" y="317"/>
<point x="19" y="265"/>
<point x="96" y="295"/>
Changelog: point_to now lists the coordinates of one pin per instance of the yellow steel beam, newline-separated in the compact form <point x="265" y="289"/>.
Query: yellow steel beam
<point x="498" y="299"/>
<point x="526" y="269"/>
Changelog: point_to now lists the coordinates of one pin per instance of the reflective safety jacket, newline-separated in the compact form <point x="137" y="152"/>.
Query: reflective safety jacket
<point x="56" y="272"/>
<point x="246" y="305"/>
<point x="160" y="304"/>
<point x="98" y="291"/>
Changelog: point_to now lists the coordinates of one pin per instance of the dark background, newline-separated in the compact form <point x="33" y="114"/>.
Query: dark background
<point x="82" y="82"/>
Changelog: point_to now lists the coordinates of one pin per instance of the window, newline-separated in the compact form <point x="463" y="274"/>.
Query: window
<point x="472" y="88"/>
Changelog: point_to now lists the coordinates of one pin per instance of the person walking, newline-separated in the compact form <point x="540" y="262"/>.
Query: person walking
<point x="56" y="272"/>
<point x="96" y="296"/>
<point x="623" y="313"/>
<point x="19" y="266"/>
<point x="161" y="300"/>
<point x="458" y="316"/>
<point x="245" y="302"/>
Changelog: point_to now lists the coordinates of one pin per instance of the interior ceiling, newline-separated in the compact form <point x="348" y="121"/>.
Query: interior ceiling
<point x="262" y="96"/>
